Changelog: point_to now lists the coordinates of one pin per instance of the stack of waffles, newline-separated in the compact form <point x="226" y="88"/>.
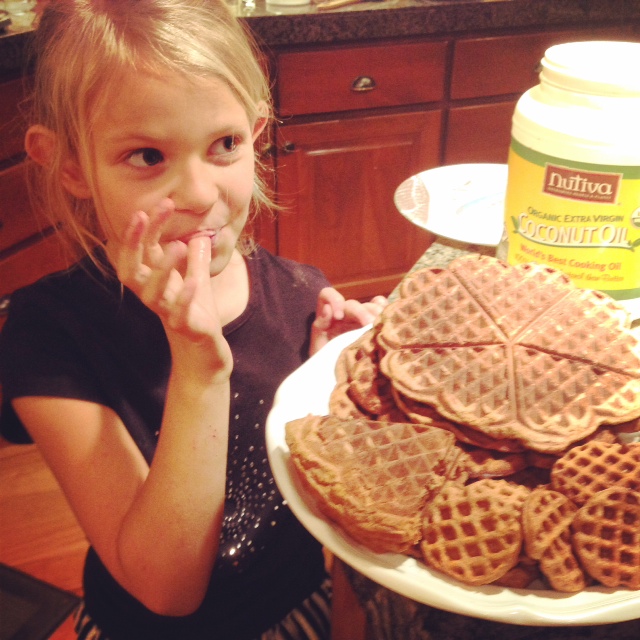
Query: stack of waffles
<point x="479" y="425"/>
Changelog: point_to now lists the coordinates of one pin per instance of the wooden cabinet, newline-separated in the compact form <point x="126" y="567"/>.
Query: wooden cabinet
<point x="360" y="77"/>
<point x="488" y="75"/>
<point x="375" y="121"/>
<point x="336" y="184"/>
<point x="479" y="133"/>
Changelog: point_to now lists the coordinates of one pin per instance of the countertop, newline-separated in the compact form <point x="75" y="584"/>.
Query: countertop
<point x="276" y="25"/>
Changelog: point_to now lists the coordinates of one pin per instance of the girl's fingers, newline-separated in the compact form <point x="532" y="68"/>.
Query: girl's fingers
<point x="171" y="279"/>
<point x="164" y="282"/>
<point x="126" y="255"/>
<point x="140" y="252"/>
<point x="334" y="299"/>
<point x="178" y="313"/>
<point x="153" y="252"/>
<point x="198" y="258"/>
<point x="324" y="317"/>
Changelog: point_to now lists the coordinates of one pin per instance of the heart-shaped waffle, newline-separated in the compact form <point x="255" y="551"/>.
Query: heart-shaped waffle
<point x="606" y="537"/>
<point x="516" y="352"/>
<point x="372" y="478"/>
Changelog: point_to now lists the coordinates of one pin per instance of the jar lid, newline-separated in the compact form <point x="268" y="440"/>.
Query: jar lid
<point x="604" y="68"/>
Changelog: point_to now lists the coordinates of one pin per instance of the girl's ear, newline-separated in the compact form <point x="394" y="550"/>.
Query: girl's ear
<point x="261" y="121"/>
<point x="40" y="144"/>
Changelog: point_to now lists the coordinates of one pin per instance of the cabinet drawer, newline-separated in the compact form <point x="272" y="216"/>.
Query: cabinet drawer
<point x="508" y="64"/>
<point x="17" y="223"/>
<point x="343" y="79"/>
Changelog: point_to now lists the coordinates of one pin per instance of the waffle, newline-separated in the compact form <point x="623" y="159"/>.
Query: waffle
<point x="546" y="522"/>
<point x="508" y="494"/>
<point x="607" y="537"/>
<point x="425" y="414"/>
<point x="515" y="352"/>
<point x="465" y="423"/>
<point x="595" y="466"/>
<point x="371" y="478"/>
<point x="521" y="576"/>
<point x="341" y="405"/>
<point x="359" y="377"/>
<point x="484" y="463"/>
<point x="470" y="533"/>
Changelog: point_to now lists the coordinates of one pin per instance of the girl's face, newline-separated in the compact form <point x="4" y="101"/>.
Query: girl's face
<point x="168" y="137"/>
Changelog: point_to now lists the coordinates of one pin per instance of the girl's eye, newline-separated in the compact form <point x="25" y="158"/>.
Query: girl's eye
<point x="225" y="146"/>
<point x="230" y="143"/>
<point x="146" y="158"/>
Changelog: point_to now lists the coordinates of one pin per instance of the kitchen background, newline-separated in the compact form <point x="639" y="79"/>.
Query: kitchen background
<point x="365" y="96"/>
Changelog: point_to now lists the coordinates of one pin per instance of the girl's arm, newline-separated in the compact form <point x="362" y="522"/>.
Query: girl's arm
<point x="156" y="529"/>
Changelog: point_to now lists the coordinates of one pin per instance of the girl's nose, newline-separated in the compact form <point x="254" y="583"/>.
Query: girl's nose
<point x="195" y="189"/>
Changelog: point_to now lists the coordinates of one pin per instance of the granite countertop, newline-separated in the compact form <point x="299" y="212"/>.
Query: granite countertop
<point x="277" y="25"/>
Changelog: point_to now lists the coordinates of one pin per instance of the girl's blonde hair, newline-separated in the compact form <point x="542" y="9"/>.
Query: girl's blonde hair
<point x="82" y="47"/>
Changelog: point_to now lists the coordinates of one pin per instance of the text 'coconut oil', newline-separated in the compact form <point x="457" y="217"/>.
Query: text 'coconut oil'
<point x="573" y="188"/>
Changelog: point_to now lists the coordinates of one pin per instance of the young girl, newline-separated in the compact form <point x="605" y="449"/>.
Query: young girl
<point x="145" y="373"/>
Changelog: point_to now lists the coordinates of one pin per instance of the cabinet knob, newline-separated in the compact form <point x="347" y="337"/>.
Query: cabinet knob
<point x="363" y="83"/>
<point x="288" y="147"/>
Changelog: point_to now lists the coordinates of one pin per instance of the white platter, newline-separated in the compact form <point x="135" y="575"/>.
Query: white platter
<point x="462" y="202"/>
<point x="306" y="391"/>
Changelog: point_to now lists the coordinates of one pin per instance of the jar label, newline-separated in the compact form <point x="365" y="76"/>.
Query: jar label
<point x="583" y="219"/>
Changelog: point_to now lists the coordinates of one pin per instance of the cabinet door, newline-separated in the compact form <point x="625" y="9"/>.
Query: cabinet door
<point x="336" y="181"/>
<point x="479" y="133"/>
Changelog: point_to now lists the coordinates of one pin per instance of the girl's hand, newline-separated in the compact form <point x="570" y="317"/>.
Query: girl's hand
<point x="335" y="315"/>
<point x="184" y="303"/>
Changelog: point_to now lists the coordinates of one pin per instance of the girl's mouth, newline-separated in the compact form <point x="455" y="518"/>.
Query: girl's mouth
<point x="204" y="233"/>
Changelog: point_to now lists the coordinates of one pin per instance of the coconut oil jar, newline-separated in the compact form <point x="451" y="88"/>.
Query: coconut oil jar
<point x="573" y="187"/>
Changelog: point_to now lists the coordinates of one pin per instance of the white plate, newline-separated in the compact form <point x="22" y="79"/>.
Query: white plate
<point x="463" y="202"/>
<point x="307" y="391"/>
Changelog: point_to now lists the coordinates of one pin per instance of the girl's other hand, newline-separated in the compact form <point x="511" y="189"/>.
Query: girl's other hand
<point x="335" y="315"/>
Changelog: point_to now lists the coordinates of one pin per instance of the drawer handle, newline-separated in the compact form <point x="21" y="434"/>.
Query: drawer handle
<point x="362" y="84"/>
<point x="288" y="147"/>
<point x="4" y="305"/>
